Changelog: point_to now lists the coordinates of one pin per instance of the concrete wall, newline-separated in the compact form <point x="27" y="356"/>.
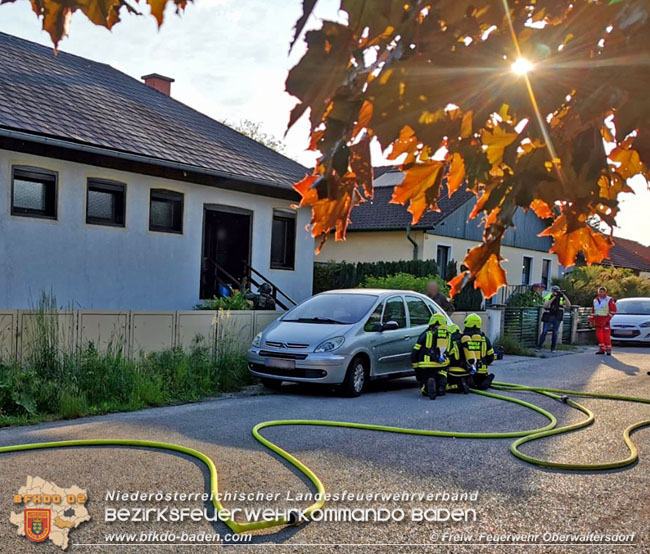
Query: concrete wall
<point x="369" y="246"/>
<point x="513" y="257"/>
<point x="133" y="333"/>
<point x="129" y="268"/>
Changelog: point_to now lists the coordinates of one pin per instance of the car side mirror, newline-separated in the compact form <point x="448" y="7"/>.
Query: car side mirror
<point x="390" y="326"/>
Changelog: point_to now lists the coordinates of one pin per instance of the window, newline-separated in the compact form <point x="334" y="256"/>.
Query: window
<point x="105" y="203"/>
<point x="166" y="211"/>
<point x="546" y="273"/>
<point x="394" y="311"/>
<point x="374" y="321"/>
<point x="33" y="192"/>
<point x="283" y="240"/>
<point x="442" y="259"/>
<point x="418" y="311"/>
<point x="526" y="270"/>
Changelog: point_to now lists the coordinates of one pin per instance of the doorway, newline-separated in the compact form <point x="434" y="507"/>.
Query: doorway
<point x="226" y="248"/>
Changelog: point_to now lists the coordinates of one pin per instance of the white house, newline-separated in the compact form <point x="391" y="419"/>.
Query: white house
<point x="113" y="195"/>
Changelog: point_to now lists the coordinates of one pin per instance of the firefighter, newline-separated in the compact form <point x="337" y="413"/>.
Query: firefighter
<point x="430" y="357"/>
<point x="458" y="377"/>
<point x="263" y="299"/>
<point x="602" y="310"/>
<point x="477" y="353"/>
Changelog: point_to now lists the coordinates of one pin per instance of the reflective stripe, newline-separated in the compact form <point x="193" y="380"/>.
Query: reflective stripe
<point x="417" y="346"/>
<point x="550" y="295"/>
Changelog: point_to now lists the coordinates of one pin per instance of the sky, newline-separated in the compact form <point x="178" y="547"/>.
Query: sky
<point x="230" y="59"/>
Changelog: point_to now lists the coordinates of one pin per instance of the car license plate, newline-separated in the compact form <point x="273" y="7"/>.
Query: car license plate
<point x="619" y="333"/>
<point x="280" y="363"/>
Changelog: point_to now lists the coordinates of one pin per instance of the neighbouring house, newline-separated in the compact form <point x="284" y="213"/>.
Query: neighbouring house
<point x="116" y="196"/>
<point x="380" y="231"/>
<point x="630" y="254"/>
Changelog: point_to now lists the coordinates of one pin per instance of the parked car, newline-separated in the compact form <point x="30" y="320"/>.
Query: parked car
<point x="631" y="323"/>
<point x="343" y="337"/>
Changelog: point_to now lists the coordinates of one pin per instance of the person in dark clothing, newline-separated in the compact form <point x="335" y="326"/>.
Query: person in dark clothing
<point x="458" y="376"/>
<point x="433" y="292"/>
<point x="263" y="299"/>
<point x="477" y="353"/>
<point x="554" y="303"/>
<point x="429" y="357"/>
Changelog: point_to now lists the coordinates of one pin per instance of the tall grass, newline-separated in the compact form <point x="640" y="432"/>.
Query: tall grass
<point x="55" y="380"/>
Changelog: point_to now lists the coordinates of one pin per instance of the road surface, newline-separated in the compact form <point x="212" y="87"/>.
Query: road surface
<point x="512" y="497"/>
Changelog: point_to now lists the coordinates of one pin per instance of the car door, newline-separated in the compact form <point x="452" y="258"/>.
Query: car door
<point x="391" y="348"/>
<point x="419" y="313"/>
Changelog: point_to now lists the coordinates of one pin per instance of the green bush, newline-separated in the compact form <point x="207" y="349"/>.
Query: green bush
<point x="525" y="299"/>
<point x="344" y="275"/>
<point x="581" y="285"/>
<point x="404" y="281"/>
<point x="235" y="302"/>
<point x="72" y="403"/>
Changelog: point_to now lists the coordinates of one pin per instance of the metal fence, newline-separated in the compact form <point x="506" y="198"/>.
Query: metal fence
<point x="522" y="324"/>
<point x="134" y="333"/>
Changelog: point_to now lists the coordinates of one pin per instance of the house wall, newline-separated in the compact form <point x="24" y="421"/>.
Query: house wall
<point x="513" y="257"/>
<point x="372" y="246"/>
<point x="129" y="268"/>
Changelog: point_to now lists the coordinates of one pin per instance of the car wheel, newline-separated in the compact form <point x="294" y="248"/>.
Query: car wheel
<point x="356" y="377"/>
<point x="273" y="384"/>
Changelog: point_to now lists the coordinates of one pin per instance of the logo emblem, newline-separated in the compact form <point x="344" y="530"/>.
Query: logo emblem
<point x="37" y="524"/>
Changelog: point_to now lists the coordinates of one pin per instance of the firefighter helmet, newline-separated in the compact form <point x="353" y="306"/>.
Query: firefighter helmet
<point x="453" y="328"/>
<point x="473" y="320"/>
<point x="437" y="319"/>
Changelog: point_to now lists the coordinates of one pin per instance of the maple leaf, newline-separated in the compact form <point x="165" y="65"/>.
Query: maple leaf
<point x="497" y="141"/>
<point x="571" y="236"/>
<point x="456" y="173"/>
<point x="420" y="188"/>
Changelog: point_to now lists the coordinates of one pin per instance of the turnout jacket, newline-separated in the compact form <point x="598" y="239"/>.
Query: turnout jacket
<point x="476" y="351"/>
<point x="432" y="348"/>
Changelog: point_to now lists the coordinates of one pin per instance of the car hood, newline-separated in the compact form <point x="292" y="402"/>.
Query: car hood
<point x="308" y="334"/>
<point x="629" y="319"/>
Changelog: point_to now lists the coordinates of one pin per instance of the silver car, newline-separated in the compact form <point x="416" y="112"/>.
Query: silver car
<point x="343" y="337"/>
<point x="631" y="323"/>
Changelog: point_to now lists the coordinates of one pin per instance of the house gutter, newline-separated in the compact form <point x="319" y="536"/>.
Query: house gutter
<point x="410" y="239"/>
<point x="144" y="159"/>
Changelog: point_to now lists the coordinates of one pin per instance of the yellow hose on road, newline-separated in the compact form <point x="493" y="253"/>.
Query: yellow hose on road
<point x="520" y="436"/>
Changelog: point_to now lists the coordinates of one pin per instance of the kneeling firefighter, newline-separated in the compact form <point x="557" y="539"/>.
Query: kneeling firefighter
<point x="477" y="353"/>
<point x="458" y="376"/>
<point x="430" y="357"/>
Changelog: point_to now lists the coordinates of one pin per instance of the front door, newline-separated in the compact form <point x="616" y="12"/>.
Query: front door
<point x="226" y="248"/>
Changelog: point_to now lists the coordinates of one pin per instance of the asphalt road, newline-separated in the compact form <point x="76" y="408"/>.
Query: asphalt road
<point x="513" y="497"/>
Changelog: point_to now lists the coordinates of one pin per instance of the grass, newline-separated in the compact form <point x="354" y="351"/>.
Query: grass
<point x="514" y="348"/>
<point x="55" y="381"/>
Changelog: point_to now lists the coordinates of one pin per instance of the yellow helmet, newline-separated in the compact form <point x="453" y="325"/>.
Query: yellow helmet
<point x="453" y="328"/>
<point x="473" y="320"/>
<point x="437" y="319"/>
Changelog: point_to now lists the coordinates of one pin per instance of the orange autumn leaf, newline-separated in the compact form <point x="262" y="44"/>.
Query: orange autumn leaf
<point x="491" y="276"/>
<point x="456" y="173"/>
<point x="420" y="187"/>
<point x="466" y="124"/>
<point x="628" y="162"/>
<point x="568" y="241"/>
<point x="541" y="209"/>
<point x="406" y="143"/>
<point x="497" y="141"/>
<point x="365" y="115"/>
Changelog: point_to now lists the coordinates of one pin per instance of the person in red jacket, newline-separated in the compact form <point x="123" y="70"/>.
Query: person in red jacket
<point x="602" y="310"/>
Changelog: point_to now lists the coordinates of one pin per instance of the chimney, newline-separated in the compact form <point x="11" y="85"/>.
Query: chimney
<point x="159" y="82"/>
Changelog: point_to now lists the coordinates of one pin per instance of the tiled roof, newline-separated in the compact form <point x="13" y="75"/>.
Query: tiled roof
<point x="630" y="254"/>
<point x="380" y="215"/>
<point x="74" y="99"/>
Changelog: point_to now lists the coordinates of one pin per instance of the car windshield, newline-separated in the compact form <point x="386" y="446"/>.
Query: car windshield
<point x="633" y="307"/>
<point x="341" y="309"/>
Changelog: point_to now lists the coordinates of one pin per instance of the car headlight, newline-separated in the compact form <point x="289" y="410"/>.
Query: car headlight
<point x="330" y="345"/>
<point x="646" y="324"/>
<point x="257" y="341"/>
